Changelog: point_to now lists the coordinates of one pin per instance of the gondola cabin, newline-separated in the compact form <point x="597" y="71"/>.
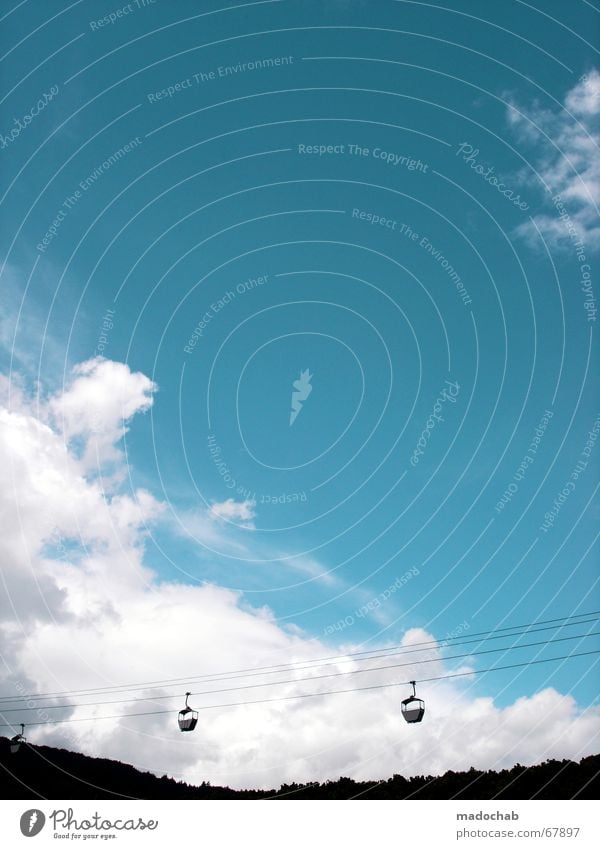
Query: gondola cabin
<point x="413" y="708"/>
<point x="15" y="742"/>
<point x="188" y="718"/>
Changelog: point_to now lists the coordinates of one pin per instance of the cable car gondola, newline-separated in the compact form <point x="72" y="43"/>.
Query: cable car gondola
<point x="413" y="708"/>
<point x="187" y="717"/>
<point x="15" y="742"/>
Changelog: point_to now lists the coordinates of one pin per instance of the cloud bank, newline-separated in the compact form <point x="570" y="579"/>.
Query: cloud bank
<point x="80" y="608"/>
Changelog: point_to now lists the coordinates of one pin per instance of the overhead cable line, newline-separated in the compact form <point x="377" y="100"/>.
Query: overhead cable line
<point x="300" y="680"/>
<point x="313" y="695"/>
<point x="388" y="651"/>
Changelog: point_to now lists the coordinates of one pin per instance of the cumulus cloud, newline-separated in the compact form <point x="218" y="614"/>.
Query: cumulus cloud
<point x="102" y="397"/>
<point x="571" y="167"/>
<point x="82" y="609"/>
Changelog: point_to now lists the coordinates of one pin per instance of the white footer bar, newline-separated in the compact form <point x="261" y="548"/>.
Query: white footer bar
<point x="300" y="824"/>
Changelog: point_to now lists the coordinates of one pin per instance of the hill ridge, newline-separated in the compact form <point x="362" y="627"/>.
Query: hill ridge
<point x="43" y="772"/>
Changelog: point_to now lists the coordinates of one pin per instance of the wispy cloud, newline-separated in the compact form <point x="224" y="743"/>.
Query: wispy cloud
<point x="240" y="512"/>
<point x="570" y="168"/>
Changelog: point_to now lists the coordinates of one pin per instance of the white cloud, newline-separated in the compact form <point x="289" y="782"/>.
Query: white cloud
<point x="571" y="168"/>
<point x="214" y="529"/>
<point x="199" y="527"/>
<point x="103" y="396"/>
<point x="92" y="613"/>
<point x="584" y="97"/>
<point x="310" y="566"/>
<point x="232" y="511"/>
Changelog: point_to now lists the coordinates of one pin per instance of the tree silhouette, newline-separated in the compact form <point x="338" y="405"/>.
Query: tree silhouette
<point x="42" y="772"/>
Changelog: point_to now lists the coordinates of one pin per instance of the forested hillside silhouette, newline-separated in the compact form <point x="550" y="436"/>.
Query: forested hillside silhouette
<point x="42" y="772"/>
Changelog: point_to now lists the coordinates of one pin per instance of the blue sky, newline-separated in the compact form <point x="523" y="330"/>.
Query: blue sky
<point x="242" y="226"/>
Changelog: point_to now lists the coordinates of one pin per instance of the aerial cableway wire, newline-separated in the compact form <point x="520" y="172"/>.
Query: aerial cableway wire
<point x="158" y="698"/>
<point x="313" y="695"/>
<point x="388" y="651"/>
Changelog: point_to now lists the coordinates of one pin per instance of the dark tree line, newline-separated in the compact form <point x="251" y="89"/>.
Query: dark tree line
<point x="42" y="772"/>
